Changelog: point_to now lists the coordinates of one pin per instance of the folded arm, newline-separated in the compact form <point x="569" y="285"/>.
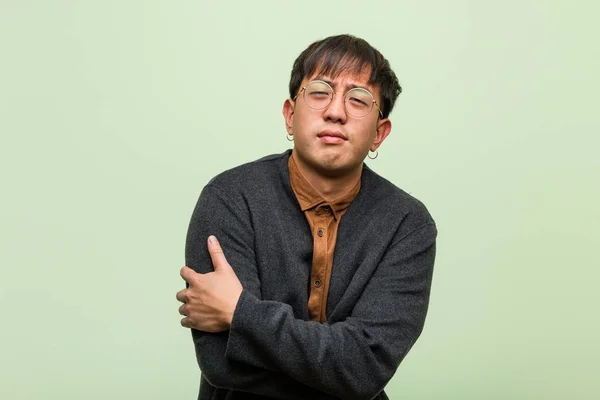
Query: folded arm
<point x="266" y="345"/>
<point x="353" y="358"/>
<point x="219" y="215"/>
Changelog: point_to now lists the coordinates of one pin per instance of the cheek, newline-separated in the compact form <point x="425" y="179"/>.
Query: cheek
<point x="366" y="132"/>
<point x="301" y="123"/>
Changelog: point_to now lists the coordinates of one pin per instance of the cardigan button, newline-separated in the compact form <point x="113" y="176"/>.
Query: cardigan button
<point x="317" y="283"/>
<point x="320" y="232"/>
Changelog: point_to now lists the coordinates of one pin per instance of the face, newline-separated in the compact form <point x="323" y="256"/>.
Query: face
<point x="331" y="142"/>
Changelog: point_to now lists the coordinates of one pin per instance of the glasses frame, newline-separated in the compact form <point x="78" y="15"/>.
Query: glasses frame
<point x="303" y="89"/>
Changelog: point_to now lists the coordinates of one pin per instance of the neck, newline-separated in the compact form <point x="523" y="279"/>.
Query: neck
<point x="330" y="185"/>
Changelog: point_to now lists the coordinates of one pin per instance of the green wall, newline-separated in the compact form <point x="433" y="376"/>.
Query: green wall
<point x="114" y="114"/>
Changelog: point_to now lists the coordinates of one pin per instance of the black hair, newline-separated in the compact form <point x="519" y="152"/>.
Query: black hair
<point x="347" y="53"/>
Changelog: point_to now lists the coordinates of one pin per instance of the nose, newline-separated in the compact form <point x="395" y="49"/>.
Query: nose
<point x="336" y="110"/>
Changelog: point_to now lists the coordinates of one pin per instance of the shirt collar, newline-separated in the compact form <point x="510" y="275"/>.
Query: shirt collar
<point x="309" y="198"/>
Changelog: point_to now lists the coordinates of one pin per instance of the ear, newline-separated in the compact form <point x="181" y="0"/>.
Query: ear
<point x="384" y="128"/>
<point x="288" y="115"/>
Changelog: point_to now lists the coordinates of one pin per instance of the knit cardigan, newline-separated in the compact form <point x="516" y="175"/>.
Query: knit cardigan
<point x="378" y="296"/>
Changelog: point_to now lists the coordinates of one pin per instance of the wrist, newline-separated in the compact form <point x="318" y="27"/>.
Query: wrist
<point x="231" y="311"/>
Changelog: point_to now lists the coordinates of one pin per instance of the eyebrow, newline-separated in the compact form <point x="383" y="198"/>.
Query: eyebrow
<point x="333" y="85"/>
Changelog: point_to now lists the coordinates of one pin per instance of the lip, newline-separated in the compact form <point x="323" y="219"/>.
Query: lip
<point x="331" y="134"/>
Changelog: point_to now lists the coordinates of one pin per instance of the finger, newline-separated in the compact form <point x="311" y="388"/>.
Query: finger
<point x="185" y="322"/>
<point x="187" y="274"/>
<point x="183" y="309"/>
<point x="182" y="296"/>
<point x="216" y="253"/>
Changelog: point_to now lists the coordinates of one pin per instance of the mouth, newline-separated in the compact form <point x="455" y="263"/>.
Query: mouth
<point x="329" y="136"/>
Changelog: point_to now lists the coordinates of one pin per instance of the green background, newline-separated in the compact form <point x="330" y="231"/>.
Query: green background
<point x="115" y="114"/>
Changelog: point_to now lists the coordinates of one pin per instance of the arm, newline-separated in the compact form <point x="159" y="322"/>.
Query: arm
<point x="223" y="216"/>
<point x="353" y="358"/>
<point x="356" y="357"/>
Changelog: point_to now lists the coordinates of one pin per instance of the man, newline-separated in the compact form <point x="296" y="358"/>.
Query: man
<point x="309" y="274"/>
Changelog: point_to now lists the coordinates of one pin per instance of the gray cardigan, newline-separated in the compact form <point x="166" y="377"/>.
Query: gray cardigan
<point x="378" y="296"/>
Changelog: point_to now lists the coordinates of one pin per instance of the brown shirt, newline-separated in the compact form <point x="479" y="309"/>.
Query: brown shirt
<point x="323" y="218"/>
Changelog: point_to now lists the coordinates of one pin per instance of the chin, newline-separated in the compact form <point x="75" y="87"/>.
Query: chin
<point x="329" y="162"/>
<point x="335" y="166"/>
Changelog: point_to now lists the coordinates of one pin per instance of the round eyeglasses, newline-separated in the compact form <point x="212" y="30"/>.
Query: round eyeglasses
<point x="358" y="101"/>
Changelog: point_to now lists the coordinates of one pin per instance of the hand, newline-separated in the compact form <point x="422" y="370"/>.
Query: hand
<point x="210" y="300"/>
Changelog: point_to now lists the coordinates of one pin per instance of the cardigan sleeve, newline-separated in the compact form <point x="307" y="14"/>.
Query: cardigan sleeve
<point x="218" y="214"/>
<point x="356" y="357"/>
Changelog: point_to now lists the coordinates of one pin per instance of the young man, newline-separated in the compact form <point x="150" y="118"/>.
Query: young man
<point x="308" y="275"/>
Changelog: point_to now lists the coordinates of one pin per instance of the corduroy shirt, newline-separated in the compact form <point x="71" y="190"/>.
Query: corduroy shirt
<point x="324" y="218"/>
<point x="377" y="298"/>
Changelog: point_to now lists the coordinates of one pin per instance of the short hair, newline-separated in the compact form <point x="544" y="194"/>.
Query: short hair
<point x="347" y="53"/>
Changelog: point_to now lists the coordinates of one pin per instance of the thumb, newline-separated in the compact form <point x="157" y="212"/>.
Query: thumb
<point x="216" y="253"/>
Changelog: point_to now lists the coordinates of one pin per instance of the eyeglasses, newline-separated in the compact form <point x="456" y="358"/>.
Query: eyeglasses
<point x="358" y="102"/>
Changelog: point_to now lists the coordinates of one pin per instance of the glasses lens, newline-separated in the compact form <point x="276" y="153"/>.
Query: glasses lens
<point x="318" y="95"/>
<point x="359" y="102"/>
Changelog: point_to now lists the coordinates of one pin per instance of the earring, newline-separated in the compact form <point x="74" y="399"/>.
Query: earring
<point x="375" y="156"/>
<point x="290" y="138"/>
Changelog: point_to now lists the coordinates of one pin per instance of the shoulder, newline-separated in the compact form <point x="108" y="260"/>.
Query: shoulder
<point x="249" y="176"/>
<point x="247" y="188"/>
<point x="386" y="200"/>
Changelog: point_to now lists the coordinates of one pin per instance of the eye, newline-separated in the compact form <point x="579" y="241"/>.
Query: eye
<point x="319" y="95"/>
<point x="357" y="102"/>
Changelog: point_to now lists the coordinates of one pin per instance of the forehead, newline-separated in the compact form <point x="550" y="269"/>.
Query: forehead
<point x="345" y="80"/>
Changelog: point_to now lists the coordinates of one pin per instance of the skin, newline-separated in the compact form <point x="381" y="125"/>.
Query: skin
<point x="210" y="299"/>
<point x="329" y="149"/>
<point x="333" y="167"/>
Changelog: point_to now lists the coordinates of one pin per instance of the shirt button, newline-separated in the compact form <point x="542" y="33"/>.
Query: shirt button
<point x="317" y="283"/>
<point x="320" y="232"/>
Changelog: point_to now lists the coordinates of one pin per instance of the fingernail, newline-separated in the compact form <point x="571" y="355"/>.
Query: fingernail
<point x="212" y="239"/>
